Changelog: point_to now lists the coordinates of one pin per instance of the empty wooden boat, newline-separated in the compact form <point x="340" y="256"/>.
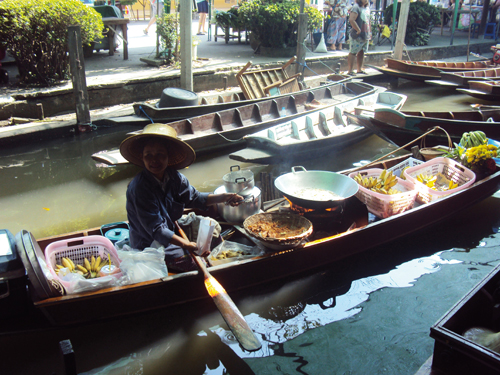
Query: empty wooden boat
<point x="324" y="132"/>
<point x="427" y="70"/>
<point x="227" y="128"/>
<point x="489" y="90"/>
<point x="461" y="79"/>
<point x="401" y="127"/>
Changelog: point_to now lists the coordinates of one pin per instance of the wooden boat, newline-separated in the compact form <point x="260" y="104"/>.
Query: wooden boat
<point x="226" y="128"/>
<point x="483" y="90"/>
<point x="147" y="112"/>
<point x="401" y="127"/>
<point x="461" y="79"/>
<point x="354" y="232"/>
<point x="427" y="70"/>
<point x="326" y="131"/>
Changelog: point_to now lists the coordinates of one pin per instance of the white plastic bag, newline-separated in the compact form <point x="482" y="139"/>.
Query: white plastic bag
<point x="78" y="283"/>
<point x="205" y="233"/>
<point x="229" y="251"/>
<point x="138" y="266"/>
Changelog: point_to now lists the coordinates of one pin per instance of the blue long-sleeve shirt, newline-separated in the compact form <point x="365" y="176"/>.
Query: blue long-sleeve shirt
<point x="153" y="207"/>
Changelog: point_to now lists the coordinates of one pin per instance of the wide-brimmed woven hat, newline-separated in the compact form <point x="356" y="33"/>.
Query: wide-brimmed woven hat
<point x="180" y="154"/>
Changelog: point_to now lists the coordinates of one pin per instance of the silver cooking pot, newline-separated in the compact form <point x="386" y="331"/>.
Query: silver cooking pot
<point x="294" y="187"/>
<point x="237" y="180"/>
<point x="237" y="214"/>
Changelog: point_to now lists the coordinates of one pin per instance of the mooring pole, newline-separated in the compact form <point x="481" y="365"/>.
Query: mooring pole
<point x="77" y="68"/>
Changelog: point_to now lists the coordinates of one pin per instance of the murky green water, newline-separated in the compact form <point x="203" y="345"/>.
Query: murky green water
<point x="369" y="314"/>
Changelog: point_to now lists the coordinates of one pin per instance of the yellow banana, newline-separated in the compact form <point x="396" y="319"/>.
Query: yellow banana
<point x="81" y="268"/>
<point x="58" y="266"/>
<point x="87" y="264"/>
<point x="67" y="264"/>
<point x="92" y="262"/>
<point x="97" y="263"/>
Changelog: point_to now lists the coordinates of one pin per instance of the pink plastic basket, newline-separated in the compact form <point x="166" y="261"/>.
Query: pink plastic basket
<point x="452" y="170"/>
<point x="77" y="249"/>
<point x="383" y="205"/>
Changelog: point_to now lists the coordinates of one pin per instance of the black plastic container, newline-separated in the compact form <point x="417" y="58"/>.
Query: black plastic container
<point x="13" y="281"/>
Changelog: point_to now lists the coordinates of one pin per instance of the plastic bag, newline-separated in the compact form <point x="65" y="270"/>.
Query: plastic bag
<point x="191" y="223"/>
<point x="386" y="31"/>
<point x="138" y="266"/>
<point x="229" y="251"/>
<point x="76" y="283"/>
<point x="205" y="233"/>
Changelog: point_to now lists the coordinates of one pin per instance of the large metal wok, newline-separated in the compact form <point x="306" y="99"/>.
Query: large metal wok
<point x="295" y="186"/>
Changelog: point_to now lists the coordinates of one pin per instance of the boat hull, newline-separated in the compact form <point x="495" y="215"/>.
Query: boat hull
<point x="272" y="265"/>
<point x="403" y="127"/>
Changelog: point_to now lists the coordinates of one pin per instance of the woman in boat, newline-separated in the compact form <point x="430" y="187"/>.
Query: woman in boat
<point x="157" y="196"/>
<point x="359" y="35"/>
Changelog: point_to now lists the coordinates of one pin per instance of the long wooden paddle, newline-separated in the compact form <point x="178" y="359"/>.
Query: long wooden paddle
<point x="232" y="316"/>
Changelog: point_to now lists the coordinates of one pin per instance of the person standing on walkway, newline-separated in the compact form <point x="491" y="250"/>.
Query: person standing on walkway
<point x="359" y="36"/>
<point x="202" y="11"/>
<point x="154" y="12"/>
<point x="335" y="33"/>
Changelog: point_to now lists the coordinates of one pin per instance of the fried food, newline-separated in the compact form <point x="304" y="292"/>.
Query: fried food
<point x="276" y="229"/>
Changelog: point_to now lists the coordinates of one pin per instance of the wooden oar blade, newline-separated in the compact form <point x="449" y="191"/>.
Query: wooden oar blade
<point x="232" y="316"/>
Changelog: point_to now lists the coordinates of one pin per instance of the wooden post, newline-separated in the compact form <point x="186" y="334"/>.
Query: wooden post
<point x="186" y="43"/>
<point x="68" y="357"/>
<point x="301" y="36"/>
<point x="403" y="20"/>
<point x="77" y="67"/>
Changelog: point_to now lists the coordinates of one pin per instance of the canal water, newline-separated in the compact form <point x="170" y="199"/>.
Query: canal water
<point x="369" y="314"/>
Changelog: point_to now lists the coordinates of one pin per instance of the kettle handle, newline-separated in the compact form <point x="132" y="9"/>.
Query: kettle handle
<point x="294" y="169"/>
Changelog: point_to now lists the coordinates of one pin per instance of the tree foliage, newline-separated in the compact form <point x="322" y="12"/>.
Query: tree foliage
<point x="420" y="19"/>
<point x="35" y="34"/>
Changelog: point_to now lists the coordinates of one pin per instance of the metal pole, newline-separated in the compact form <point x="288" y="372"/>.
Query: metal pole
<point x="455" y="14"/>
<point x="186" y="43"/>
<point x="394" y="11"/>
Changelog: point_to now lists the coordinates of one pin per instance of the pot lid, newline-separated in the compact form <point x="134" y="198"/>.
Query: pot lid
<point x="255" y="191"/>
<point x="117" y="234"/>
<point x="241" y="175"/>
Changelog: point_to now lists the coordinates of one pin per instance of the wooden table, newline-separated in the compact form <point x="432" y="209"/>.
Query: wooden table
<point x="111" y="23"/>
<point x="474" y="13"/>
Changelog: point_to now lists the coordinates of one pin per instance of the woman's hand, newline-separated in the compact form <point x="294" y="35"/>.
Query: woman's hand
<point x="232" y="199"/>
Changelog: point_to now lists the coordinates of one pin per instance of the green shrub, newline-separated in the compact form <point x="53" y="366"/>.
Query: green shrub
<point x="35" y="34"/>
<point x="167" y="27"/>
<point x="275" y="23"/>
<point x="230" y="18"/>
<point x="420" y="17"/>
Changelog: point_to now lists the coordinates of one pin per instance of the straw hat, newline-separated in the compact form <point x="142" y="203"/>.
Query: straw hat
<point x="180" y="154"/>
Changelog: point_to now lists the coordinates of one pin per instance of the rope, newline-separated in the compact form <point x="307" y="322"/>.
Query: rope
<point x="231" y="140"/>
<point x="145" y="114"/>
<point x="304" y="65"/>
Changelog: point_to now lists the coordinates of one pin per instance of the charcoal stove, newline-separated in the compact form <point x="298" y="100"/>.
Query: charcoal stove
<point x="331" y="221"/>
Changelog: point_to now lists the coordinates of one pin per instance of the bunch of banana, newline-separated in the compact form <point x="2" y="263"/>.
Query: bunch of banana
<point x="427" y="179"/>
<point x="383" y="184"/>
<point x="90" y="269"/>
<point x="473" y="139"/>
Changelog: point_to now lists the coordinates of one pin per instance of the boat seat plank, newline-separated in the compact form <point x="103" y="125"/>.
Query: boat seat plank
<point x="311" y="134"/>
